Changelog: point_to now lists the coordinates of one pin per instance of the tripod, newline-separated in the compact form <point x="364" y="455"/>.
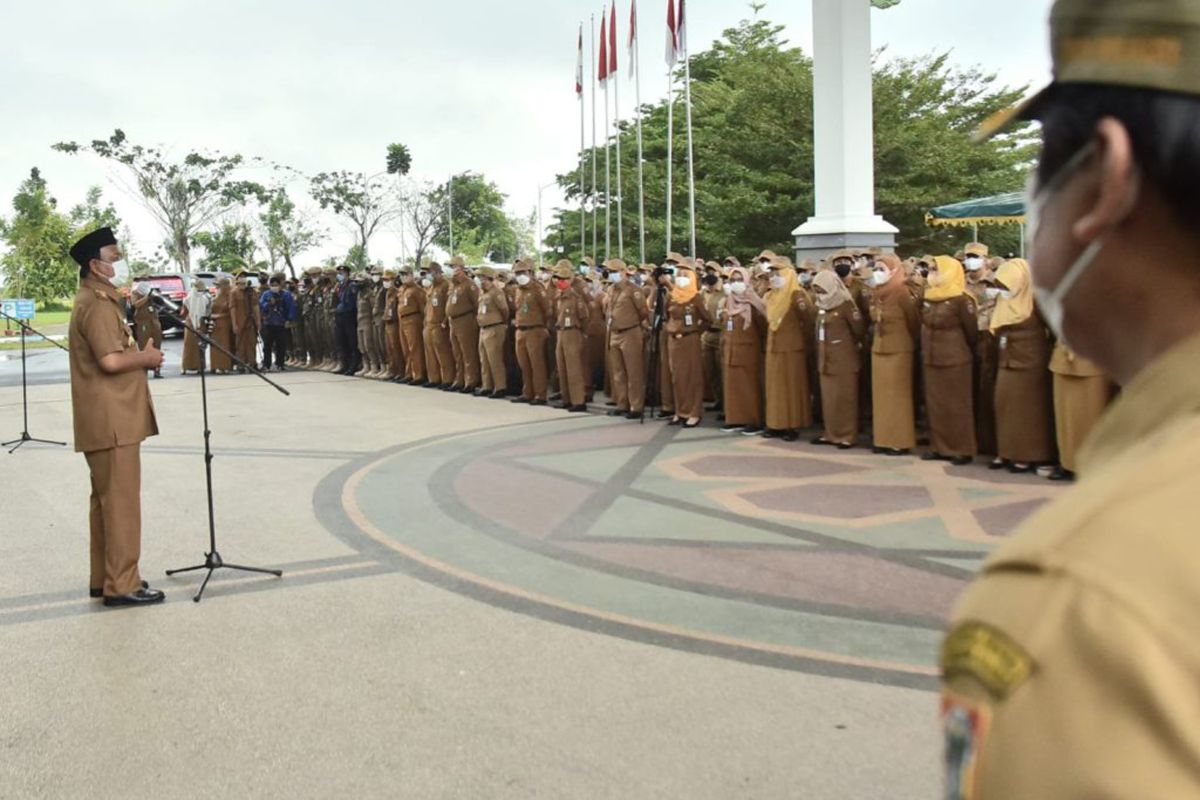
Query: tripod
<point x="653" y="389"/>
<point x="212" y="559"/>
<point x="25" y="438"/>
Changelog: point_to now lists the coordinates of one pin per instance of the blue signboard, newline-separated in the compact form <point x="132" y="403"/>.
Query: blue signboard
<point x="18" y="309"/>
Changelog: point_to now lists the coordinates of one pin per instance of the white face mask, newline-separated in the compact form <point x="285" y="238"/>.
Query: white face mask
<point x="388" y="284"/>
<point x="1051" y="300"/>
<point x="973" y="263"/>
<point x="543" y="276"/>
<point x="120" y="272"/>
<point x="882" y="277"/>
<point x="683" y="282"/>
<point x="617" y="277"/>
<point x="427" y="283"/>
<point x="522" y="279"/>
<point x="738" y="287"/>
<point x="805" y="278"/>
<point x="727" y="289"/>
<point x="478" y="283"/>
<point x="991" y="293"/>
<point x="764" y="266"/>
<point x="1004" y="294"/>
<point x="777" y="282"/>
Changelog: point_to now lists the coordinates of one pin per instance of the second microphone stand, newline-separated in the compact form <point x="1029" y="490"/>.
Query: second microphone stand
<point x="25" y="438"/>
<point x="212" y="559"/>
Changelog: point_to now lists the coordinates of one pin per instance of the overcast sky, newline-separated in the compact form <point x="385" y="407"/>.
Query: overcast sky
<point x="324" y="85"/>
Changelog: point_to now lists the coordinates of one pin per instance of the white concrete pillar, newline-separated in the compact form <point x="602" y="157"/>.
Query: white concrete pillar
<point x="844" y="147"/>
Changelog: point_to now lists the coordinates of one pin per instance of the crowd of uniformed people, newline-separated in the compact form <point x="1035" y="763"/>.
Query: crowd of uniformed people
<point x="945" y="351"/>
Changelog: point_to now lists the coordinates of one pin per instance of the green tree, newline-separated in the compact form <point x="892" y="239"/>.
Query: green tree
<point x="229" y="248"/>
<point x="286" y="232"/>
<point x="481" y="227"/>
<point x="183" y="195"/>
<point x="753" y="129"/>
<point x="367" y="203"/>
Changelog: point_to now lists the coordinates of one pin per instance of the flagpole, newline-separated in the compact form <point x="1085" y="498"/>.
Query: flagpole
<point x="616" y="78"/>
<point x="450" y="211"/>
<point x="637" y="88"/>
<point x="582" y="156"/>
<point x="607" y="180"/>
<point x="595" y="226"/>
<point x="687" y="78"/>
<point x="670" y="146"/>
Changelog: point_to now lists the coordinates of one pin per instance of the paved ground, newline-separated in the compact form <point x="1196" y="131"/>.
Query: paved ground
<point x="483" y="600"/>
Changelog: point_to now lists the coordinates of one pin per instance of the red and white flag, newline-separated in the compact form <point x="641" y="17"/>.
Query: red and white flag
<point x="613" y="72"/>
<point x="579" y="66"/>
<point x="632" y="36"/>
<point x="672" y="35"/>
<point x="681" y="33"/>
<point x="603" y="74"/>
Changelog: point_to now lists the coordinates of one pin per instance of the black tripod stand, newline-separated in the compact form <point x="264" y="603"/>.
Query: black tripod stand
<point x="212" y="559"/>
<point x="25" y="438"/>
<point x="653" y="389"/>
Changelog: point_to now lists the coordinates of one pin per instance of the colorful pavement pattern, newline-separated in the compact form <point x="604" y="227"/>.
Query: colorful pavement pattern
<point x="801" y="557"/>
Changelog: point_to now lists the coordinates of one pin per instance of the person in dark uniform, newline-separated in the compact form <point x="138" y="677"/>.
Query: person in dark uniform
<point x="278" y="311"/>
<point x="113" y="415"/>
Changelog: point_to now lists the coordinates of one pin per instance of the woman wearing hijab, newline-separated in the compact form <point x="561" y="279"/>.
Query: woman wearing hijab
<point x="222" y="327"/>
<point x="789" y="318"/>
<point x="196" y="307"/>
<point x="744" y="320"/>
<point x="1024" y="432"/>
<point x="247" y="321"/>
<point x="840" y="329"/>
<point x="1081" y="394"/>
<point x="948" y="334"/>
<point x="897" y="326"/>
<point x="687" y="319"/>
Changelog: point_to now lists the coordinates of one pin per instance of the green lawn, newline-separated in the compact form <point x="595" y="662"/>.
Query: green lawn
<point x="32" y="343"/>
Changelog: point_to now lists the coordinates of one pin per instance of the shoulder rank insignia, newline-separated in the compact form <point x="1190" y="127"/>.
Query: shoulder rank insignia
<point x="987" y="654"/>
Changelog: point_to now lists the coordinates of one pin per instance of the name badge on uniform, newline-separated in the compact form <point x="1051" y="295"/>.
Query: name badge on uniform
<point x="729" y="325"/>
<point x="483" y="309"/>
<point x="454" y="297"/>
<point x="821" y="333"/>
<point x="687" y="320"/>
<point x="525" y="308"/>
<point x="567" y="323"/>
<point x="435" y="302"/>
<point x="1003" y="342"/>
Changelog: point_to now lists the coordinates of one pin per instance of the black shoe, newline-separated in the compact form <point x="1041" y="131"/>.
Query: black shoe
<point x="634" y="415"/>
<point x="579" y="409"/>
<point x="524" y="400"/>
<point x="877" y="450"/>
<point x="1021" y="469"/>
<point x="563" y="406"/>
<point x="555" y="396"/>
<point x="821" y="440"/>
<point x="499" y="394"/>
<point x="933" y="456"/>
<point x="962" y="461"/>
<point x="1060" y="474"/>
<point x="96" y="594"/>
<point x="771" y="433"/>
<point x="733" y="429"/>
<point x="790" y="436"/>
<point x="538" y="402"/>
<point x="610" y="402"/>
<point x="469" y="390"/>
<point x="616" y="412"/>
<point x="720" y="417"/>
<point x="452" y="387"/>
<point x="664" y="415"/>
<point x="896" y="452"/>
<point x="689" y="425"/>
<point x="752" y="430"/>
<point x="142" y="597"/>
<point x="714" y="407"/>
<point x="998" y="464"/>
<point x="845" y="446"/>
<point x="675" y="421"/>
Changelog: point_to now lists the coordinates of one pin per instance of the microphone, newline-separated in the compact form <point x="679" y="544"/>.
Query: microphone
<point x="164" y="302"/>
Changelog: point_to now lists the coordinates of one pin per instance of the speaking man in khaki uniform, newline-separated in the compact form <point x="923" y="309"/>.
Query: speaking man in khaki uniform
<point x="113" y="414"/>
<point x="1071" y="668"/>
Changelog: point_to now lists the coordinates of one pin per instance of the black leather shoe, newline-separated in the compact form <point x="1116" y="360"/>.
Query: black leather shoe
<point x="962" y="461"/>
<point x="790" y="436"/>
<point x="580" y="409"/>
<point x="932" y="456"/>
<point x="142" y="597"/>
<point x="538" y="402"/>
<point x="498" y="395"/>
<point x="616" y="412"/>
<point x="525" y="400"/>
<point x="634" y="415"/>
<point x="96" y="594"/>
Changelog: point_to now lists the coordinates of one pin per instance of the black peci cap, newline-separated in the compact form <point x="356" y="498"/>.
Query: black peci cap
<point x="89" y="246"/>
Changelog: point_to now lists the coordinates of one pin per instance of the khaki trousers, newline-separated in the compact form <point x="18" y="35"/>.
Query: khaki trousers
<point x="412" y="344"/>
<point x="464" y="338"/>
<point x="116" y="519"/>
<point x="395" y="353"/>
<point x="627" y="358"/>
<point x="531" y="356"/>
<point x="572" y="357"/>
<point x="491" y="357"/>
<point x="439" y="356"/>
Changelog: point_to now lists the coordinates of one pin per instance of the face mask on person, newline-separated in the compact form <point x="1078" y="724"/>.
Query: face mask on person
<point x="427" y="282"/>
<point x="1051" y="300"/>
<point x="935" y="277"/>
<point x="777" y="282"/>
<point x="738" y="287"/>
<point x="991" y="293"/>
<point x="617" y="277"/>
<point x="710" y="280"/>
<point x="275" y="289"/>
<point x="341" y="278"/>
<point x="764" y="267"/>
<point x="805" y="278"/>
<point x="543" y="276"/>
<point x="478" y="283"/>
<point x="683" y="282"/>
<point x="375" y="279"/>
<point x="1004" y="294"/>
<point x="563" y="284"/>
<point x="522" y="279"/>
<point x="842" y="270"/>
<point x="120" y="272"/>
<point x="726" y="289"/>
<point x="973" y="263"/>
<point x="584" y="269"/>
<point x="388" y="284"/>
<point x="881" y="277"/>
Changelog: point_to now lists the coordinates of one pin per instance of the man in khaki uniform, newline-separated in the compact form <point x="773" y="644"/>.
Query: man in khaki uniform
<point x="391" y="332"/>
<point x="410" y="311"/>
<point x="1071" y="668"/>
<point x="461" y="306"/>
<point x="532" y="315"/>
<point x="571" y="314"/>
<point x="628" y="317"/>
<point x="492" y="317"/>
<point x="113" y="414"/>
<point x="439" y="356"/>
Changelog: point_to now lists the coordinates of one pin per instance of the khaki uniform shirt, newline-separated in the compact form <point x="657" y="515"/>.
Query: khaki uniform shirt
<point x="463" y="299"/>
<point x="435" y="309"/>
<point x="571" y="310"/>
<point x="1072" y="665"/>
<point x="627" y="308"/>
<point x="412" y="301"/>
<point x="493" y="308"/>
<point x="533" y="307"/>
<point x="109" y="410"/>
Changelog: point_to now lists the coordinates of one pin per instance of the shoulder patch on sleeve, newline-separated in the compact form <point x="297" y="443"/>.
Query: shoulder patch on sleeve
<point x="988" y="655"/>
<point x="965" y="727"/>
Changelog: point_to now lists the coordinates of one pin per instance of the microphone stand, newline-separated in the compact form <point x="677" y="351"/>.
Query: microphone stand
<point x="25" y="438"/>
<point x="212" y="559"/>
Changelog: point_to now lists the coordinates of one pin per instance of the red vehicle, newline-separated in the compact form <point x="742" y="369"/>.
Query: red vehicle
<point x="171" y="286"/>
